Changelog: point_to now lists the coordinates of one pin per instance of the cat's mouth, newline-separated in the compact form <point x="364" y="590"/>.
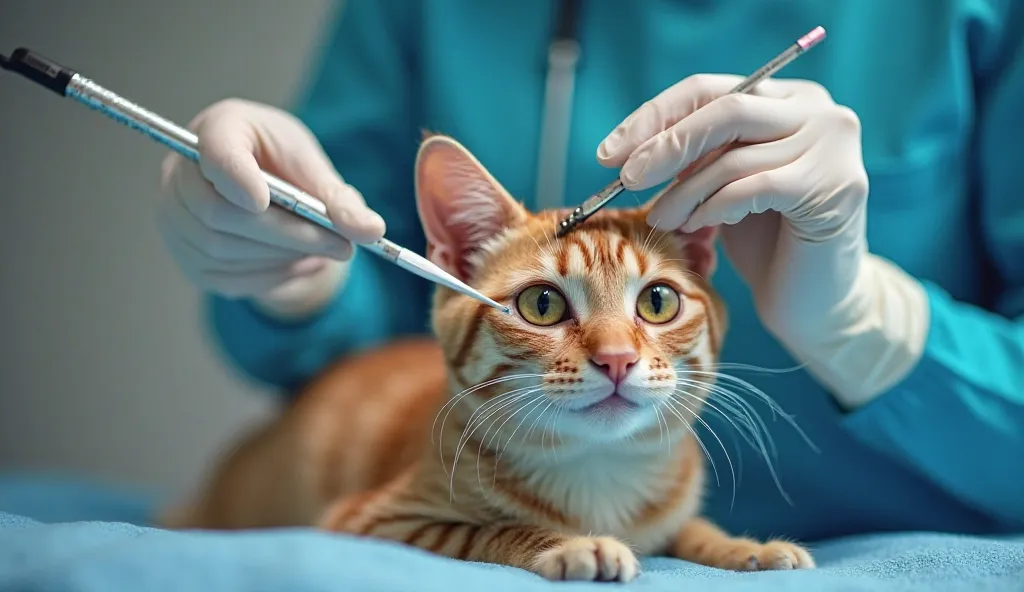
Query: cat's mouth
<point x="613" y="403"/>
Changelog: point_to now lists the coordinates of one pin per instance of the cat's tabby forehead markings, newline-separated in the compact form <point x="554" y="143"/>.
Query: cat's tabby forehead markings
<point x="580" y="253"/>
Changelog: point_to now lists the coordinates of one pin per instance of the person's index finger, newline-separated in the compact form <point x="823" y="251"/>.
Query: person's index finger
<point x="226" y="158"/>
<point x="660" y="113"/>
<point x="743" y="118"/>
<point x="351" y="217"/>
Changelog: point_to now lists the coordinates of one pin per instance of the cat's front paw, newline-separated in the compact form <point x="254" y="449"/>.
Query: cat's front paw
<point x="588" y="559"/>
<point x="752" y="556"/>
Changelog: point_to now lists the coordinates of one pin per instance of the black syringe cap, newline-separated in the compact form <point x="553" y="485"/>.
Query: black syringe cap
<point x="41" y="70"/>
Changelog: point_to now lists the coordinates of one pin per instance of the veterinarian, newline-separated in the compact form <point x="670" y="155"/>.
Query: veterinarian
<point x="871" y="210"/>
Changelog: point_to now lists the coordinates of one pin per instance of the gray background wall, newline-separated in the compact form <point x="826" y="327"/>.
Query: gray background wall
<point x="105" y="367"/>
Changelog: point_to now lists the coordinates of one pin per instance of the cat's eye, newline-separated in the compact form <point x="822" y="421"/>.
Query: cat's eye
<point x="658" y="304"/>
<point x="542" y="305"/>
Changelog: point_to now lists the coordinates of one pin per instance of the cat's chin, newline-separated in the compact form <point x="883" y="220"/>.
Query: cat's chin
<point x="615" y="402"/>
<point x="613" y="417"/>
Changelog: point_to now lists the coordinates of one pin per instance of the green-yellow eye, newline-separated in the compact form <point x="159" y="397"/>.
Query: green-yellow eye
<point x="657" y="304"/>
<point x="542" y="305"/>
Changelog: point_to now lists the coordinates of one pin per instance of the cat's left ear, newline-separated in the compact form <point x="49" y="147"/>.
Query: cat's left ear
<point x="699" y="250"/>
<point x="461" y="205"/>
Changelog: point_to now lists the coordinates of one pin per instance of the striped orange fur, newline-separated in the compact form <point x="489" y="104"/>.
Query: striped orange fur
<point x="554" y="443"/>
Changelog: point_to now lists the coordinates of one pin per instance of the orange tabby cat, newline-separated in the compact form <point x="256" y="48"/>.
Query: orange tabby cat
<point x="553" y="439"/>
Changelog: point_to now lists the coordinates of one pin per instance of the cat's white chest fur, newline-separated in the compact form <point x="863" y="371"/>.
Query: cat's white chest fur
<point x="604" y="489"/>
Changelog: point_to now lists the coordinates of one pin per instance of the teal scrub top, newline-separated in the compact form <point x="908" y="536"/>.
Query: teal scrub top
<point x="939" y="88"/>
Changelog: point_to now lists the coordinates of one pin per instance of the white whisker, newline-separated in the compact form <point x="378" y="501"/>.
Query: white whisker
<point x="495" y="405"/>
<point x="654" y="226"/>
<point x="540" y="400"/>
<point x="671" y="408"/>
<point x="752" y="438"/>
<point x="742" y="410"/>
<point x="473" y="423"/>
<point x="775" y="407"/>
<point x="750" y="368"/>
<point x="728" y="459"/>
<point x="686" y="271"/>
<point x="550" y="427"/>
<point x="553" y="422"/>
<point x="755" y="440"/>
<point x="453" y="401"/>
<point x="657" y="243"/>
<point x="661" y="430"/>
<point x="497" y="432"/>
<point x="759" y="436"/>
<point x="479" y="450"/>
<point x="526" y="436"/>
<point x="543" y="251"/>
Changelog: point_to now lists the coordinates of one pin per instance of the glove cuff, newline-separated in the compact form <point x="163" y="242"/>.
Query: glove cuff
<point x="878" y="338"/>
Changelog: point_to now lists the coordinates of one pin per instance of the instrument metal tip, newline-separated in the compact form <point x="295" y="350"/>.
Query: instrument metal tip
<point x="568" y="223"/>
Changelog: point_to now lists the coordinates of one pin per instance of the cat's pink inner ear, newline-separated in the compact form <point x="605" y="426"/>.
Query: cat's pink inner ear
<point x="699" y="250"/>
<point x="460" y="204"/>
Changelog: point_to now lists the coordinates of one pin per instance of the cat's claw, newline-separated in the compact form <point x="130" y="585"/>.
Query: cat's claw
<point x="588" y="559"/>
<point x="774" y="555"/>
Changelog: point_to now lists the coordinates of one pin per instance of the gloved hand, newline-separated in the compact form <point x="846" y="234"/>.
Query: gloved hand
<point x="217" y="221"/>
<point x="781" y="169"/>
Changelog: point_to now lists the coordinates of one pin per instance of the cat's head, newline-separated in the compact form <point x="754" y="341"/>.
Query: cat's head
<point x="602" y="321"/>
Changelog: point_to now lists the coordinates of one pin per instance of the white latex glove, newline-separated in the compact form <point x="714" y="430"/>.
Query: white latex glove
<point x="782" y="170"/>
<point x="217" y="221"/>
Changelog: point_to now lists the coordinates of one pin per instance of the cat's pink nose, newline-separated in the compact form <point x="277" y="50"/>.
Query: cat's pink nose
<point x="615" y="363"/>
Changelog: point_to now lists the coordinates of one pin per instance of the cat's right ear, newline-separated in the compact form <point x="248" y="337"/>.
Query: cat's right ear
<point x="460" y="204"/>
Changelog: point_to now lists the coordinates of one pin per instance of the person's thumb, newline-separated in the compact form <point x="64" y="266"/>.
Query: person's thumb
<point x="227" y="157"/>
<point x="351" y="217"/>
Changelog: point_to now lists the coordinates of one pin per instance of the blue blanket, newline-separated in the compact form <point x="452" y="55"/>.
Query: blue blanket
<point x="70" y="536"/>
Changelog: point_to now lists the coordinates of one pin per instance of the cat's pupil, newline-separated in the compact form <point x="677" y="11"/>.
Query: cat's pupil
<point x="656" y="299"/>
<point x="543" y="303"/>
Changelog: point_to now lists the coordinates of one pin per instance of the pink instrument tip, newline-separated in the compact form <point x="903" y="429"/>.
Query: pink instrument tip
<point x="811" y="39"/>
